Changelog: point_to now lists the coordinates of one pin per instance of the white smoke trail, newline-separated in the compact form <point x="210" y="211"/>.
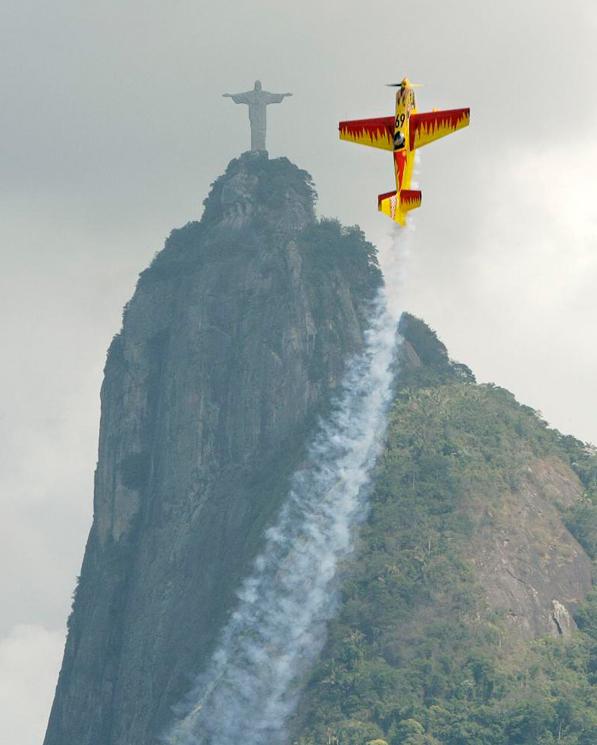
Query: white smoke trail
<point x="252" y="682"/>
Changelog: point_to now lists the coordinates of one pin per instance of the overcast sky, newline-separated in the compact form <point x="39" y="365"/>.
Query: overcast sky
<point x="112" y="128"/>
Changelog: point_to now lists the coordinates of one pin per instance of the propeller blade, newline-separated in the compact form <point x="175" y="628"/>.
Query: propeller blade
<point x="400" y="85"/>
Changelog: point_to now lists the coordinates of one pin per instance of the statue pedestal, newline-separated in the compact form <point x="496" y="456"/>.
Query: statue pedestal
<point x="257" y="154"/>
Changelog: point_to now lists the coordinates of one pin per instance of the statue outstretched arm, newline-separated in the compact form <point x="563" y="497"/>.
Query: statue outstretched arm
<point x="237" y="97"/>
<point x="277" y="97"/>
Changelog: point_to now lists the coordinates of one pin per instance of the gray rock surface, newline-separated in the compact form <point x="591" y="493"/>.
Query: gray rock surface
<point x="230" y="348"/>
<point x="531" y="567"/>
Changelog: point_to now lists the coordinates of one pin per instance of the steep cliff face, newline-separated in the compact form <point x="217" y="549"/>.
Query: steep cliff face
<point x="531" y="567"/>
<point x="235" y="339"/>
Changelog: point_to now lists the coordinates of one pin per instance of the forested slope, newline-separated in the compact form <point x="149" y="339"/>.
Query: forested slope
<point x="457" y="612"/>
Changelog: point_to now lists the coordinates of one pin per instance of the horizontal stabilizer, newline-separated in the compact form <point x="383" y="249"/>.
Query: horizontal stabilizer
<point x="409" y="200"/>
<point x="425" y="128"/>
<point x="377" y="132"/>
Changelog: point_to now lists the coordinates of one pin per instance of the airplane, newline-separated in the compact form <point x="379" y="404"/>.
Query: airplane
<point x="403" y="134"/>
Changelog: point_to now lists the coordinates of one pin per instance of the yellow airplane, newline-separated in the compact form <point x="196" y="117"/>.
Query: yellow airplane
<point x="403" y="134"/>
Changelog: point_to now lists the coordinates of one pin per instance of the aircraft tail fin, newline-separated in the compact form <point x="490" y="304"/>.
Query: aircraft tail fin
<point x="396" y="207"/>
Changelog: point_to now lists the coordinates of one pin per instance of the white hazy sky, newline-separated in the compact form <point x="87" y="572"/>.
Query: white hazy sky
<point x="112" y="128"/>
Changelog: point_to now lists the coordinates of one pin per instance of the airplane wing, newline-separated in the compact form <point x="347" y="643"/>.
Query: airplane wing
<point x="373" y="132"/>
<point x="425" y="128"/>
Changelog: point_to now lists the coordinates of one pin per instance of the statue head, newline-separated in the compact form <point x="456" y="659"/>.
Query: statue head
<point x="258" y="85"/>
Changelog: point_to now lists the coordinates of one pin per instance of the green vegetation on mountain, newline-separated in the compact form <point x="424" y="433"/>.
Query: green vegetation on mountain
<point x="416" y="656"/>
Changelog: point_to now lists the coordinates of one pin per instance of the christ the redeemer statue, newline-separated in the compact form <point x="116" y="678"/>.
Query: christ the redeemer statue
<point x="257" y="100"/>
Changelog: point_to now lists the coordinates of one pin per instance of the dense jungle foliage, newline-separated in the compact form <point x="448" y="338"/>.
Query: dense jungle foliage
<point x="414" y="657"/>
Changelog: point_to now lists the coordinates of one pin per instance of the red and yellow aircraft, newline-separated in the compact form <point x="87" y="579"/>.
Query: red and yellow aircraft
<point x="403" y="134"/>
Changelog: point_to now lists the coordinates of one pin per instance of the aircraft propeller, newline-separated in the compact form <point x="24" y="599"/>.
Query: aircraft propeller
<point x="401" y="85"/>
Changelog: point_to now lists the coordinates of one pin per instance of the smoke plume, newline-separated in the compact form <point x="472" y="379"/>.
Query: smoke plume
<point x="252" y="683"/>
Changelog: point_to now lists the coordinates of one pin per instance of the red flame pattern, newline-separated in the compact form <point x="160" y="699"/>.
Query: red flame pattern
<point x="378" y="131"/>
<point x="427" y="127"/>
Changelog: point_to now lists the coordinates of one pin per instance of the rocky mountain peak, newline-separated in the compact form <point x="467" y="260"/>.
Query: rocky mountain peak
<point x="256" y="189"/>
